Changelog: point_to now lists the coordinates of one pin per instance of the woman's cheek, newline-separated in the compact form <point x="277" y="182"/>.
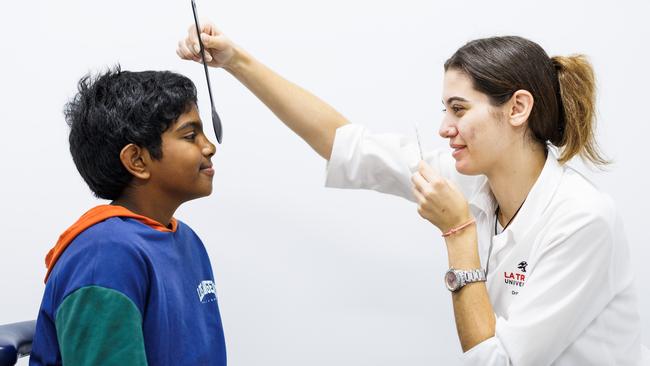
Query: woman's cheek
<point x="467" y="132"/>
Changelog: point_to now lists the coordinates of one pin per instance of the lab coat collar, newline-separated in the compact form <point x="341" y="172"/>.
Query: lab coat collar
<point x="538" y="198"/>
<point x="483" y="200"/>
<point x="536" y="202"/>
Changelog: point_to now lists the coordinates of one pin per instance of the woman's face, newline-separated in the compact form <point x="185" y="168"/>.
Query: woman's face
<point x="477" y="131"/>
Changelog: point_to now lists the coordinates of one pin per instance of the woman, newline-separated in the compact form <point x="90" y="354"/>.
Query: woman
<point x="559" y="284"/>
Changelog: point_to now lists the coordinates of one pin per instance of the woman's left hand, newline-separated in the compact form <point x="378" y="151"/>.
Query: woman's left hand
<point x="439" y="200"/>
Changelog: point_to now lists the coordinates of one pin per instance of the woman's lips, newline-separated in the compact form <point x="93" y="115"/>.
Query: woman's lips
<point x="458" y="150"/>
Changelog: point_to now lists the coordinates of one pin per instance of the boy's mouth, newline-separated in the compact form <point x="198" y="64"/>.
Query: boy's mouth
<point x="207" y="169"/>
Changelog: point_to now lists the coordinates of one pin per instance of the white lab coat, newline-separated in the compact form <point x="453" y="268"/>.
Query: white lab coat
<point x="560" y="278"/>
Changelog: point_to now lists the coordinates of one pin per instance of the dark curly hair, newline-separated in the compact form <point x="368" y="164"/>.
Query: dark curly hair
<point x="116" y="108"/>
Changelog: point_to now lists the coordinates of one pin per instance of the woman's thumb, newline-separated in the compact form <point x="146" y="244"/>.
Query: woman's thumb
<point x="211" y="41"/>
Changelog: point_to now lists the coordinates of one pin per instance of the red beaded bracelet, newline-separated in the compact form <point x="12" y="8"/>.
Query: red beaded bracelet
<point x="457" y="229"/>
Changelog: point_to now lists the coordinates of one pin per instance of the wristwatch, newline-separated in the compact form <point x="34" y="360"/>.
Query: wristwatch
<point x="455" y="279"/>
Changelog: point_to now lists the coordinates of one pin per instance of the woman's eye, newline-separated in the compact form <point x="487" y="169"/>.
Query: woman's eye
<point x="455" y="109"/>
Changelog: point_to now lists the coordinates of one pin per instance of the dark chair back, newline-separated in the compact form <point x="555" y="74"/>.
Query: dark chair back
<point x="15" y="341"/>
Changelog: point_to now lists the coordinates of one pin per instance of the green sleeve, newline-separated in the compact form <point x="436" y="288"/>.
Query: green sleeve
<point x="100" y="326"/>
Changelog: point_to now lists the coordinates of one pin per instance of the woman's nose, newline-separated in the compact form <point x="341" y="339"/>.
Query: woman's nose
<point x="447" y="130"/>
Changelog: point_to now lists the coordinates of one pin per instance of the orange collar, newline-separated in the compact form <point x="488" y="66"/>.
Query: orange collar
<point x="92" y="217"/>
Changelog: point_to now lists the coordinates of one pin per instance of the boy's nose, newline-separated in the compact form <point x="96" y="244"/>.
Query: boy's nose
<point x="210" y="149"/>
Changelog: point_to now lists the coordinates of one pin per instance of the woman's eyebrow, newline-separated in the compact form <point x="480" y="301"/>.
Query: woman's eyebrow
<point x="455" y="99"/>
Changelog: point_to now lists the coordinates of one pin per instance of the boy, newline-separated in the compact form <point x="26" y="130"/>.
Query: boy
<point x="127" y="284"/>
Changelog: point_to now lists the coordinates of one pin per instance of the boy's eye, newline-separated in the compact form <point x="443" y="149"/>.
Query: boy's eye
<point x="190" y="137"/>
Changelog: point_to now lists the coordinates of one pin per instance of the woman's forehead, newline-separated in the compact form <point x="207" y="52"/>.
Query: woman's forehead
<point x="457" y="86"/>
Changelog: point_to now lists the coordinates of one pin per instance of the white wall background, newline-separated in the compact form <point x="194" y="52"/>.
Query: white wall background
<point x="306" y="275"/>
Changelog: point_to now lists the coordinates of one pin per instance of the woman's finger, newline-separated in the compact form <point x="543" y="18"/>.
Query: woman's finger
<point x="186" y="52"/>
<point x="209" y="28"/>
<point x="428" y="172"/>
<point x="183" y="52"/>
<point x="192" y="44"/>
<point x="419" y="198"/>
<point x="218" y="43"/>
<point x="420" y="183"/>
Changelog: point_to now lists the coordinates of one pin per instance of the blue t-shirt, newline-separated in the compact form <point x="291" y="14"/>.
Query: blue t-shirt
<point x="125" y="293"/>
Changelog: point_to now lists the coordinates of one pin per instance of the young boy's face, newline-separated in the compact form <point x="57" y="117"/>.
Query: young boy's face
<point x="185" y="171"/>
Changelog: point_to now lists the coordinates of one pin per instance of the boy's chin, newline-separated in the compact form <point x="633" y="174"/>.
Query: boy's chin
<point x="206" y="193"/>
<point x="199" y="194"/>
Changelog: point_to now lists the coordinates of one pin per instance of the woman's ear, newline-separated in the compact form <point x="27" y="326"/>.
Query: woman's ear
<point x="135" y="159"/>
<point x="521" y="104"/>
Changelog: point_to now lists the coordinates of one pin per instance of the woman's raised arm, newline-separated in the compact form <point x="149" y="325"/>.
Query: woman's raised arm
<point x="311" y="118"/>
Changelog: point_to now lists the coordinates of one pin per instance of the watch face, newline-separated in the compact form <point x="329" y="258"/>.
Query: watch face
<point x="451" y="280"/>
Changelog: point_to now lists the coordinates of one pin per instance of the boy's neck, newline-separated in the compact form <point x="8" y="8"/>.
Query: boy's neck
<point x="155" y="209"/>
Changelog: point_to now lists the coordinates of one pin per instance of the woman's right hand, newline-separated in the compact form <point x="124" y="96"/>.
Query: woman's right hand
<point x="219" y="50"/>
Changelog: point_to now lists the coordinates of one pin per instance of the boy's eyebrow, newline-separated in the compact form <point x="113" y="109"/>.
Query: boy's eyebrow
<point x="195" y="124"/>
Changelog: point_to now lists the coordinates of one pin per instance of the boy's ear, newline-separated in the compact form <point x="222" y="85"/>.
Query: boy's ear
<point x="521" y="104"/>
<point x="135" y="159"/>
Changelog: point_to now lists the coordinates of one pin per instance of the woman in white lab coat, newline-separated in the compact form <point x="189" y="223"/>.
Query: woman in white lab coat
<point x="559" y="284"/>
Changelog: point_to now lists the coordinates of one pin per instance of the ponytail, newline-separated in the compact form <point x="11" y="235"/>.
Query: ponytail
<point x="577" y="99"/>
